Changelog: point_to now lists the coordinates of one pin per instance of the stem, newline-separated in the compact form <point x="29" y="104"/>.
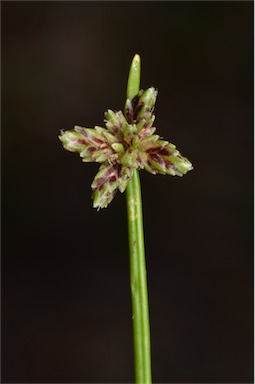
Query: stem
<point x="138" y="281"/>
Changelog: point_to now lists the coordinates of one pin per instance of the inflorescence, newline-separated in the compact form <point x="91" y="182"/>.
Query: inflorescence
<point x="127" y="142"/>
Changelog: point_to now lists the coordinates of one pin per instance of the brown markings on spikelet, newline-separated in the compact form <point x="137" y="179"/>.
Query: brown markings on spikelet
<point x="119" y="170"/>
<point x="104" y="146"/>
<point x="91" y="149"/>
<point x="98" y="140"/>
<point x="81" y="142"/>
<point x="101" y="180"/>
<point x="154" y="150"/>
<point x="112" y="179"/>
<point x="137" y="109"/>
<point x="165" y="152"/>
<point x="170" y="165"/>
<point x="129" y="111"/>
<point x="81" y="131"/>
<point x="101" y="186"/>
<point x="133" y="107"/>
<point x="115" y="128"/>
<point x="149" y="165"/>
<point x="146" y="125"/>
<point x="157" y="158"/>
<point x="138" y="160"/>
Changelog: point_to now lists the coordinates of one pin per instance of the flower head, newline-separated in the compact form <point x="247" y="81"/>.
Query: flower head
<point x="127" y="142"/>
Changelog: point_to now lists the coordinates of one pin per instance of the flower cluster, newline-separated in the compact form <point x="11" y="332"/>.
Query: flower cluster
<point x="127" y="142"/>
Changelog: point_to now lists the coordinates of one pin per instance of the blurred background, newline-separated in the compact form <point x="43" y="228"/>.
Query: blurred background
<point x="66" y="311"/>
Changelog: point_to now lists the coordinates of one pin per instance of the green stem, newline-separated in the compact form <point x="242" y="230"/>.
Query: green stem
<point x="138" y="280"/>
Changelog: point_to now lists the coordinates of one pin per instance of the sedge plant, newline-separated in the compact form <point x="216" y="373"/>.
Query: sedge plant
<point x="127" y="144"/>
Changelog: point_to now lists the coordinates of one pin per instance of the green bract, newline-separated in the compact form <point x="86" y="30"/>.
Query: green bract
<point x="128" y="142"/>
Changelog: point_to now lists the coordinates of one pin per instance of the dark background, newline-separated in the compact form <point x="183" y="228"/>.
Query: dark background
<point x="65" y="269"/>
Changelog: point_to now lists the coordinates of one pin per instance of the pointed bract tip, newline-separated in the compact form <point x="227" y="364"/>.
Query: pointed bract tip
<point x="136" y="63"/>
<point x="137" y="57"/>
